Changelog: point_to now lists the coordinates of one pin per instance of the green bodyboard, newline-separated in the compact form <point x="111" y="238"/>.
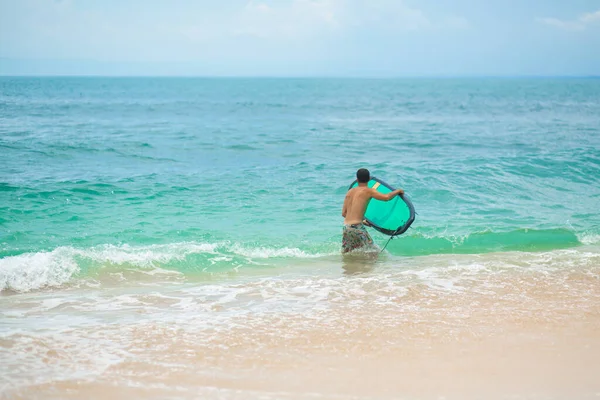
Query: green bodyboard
<point x="392" y="217"/>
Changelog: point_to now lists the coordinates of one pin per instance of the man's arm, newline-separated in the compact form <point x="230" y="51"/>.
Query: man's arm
<point x="385" y="197"/>
<point x="345" y="207"/>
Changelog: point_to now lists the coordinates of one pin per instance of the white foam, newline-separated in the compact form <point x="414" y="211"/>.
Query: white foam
<point x="32" y="271"/>
<point x="36" y="270"/>
<point x="589" y="238"/>
<point x="267" y="252"/>
<point x="146" y="256"/>
<point x="161" y="271"/>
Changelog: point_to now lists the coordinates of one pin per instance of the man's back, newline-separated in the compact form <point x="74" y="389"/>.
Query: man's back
<point x="357" y="200"/>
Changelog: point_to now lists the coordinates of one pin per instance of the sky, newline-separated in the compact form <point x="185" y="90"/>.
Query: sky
<point x="372" y="38"/>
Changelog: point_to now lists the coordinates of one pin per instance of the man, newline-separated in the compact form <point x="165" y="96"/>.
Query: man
<point x="355" y="234"/>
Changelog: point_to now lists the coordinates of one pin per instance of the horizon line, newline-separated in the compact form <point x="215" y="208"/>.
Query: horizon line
<point x="316" y="76"/>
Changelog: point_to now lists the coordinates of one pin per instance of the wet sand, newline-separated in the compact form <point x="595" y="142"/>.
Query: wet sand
<point x="412" y="334"/>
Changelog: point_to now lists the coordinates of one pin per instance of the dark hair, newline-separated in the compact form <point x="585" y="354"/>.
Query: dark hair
<point x="363" y="175"/>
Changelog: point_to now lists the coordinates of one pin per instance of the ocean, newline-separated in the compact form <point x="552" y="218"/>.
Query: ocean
<point x="180" y="238"/>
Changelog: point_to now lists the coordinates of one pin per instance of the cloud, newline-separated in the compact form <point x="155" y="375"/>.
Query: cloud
<point x="384" y="15"/>
<point x="579" y="24"/>
<point x="296" y="19"/>
<point x="318" y="18"/>
<point x="204" y="30"/>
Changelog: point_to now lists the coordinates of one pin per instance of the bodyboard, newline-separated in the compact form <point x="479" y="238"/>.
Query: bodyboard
<point x="392" y="217"/>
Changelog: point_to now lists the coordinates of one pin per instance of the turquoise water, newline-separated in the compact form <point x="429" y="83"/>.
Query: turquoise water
<point x="205" y="175"/>
<point x="181" y="238"/>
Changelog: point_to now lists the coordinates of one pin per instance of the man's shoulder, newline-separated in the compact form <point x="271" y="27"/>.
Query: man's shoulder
<point x="359" y="190"/>
<point x="364" y="192"/>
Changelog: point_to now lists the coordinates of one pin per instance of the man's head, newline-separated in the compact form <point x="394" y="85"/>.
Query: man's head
<point x="363" y="175"/>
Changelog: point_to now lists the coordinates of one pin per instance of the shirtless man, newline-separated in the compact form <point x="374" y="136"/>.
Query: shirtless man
<point x="357" y="199"/>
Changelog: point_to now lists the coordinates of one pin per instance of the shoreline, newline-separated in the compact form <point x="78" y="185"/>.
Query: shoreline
<point x="408" y="335"/>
